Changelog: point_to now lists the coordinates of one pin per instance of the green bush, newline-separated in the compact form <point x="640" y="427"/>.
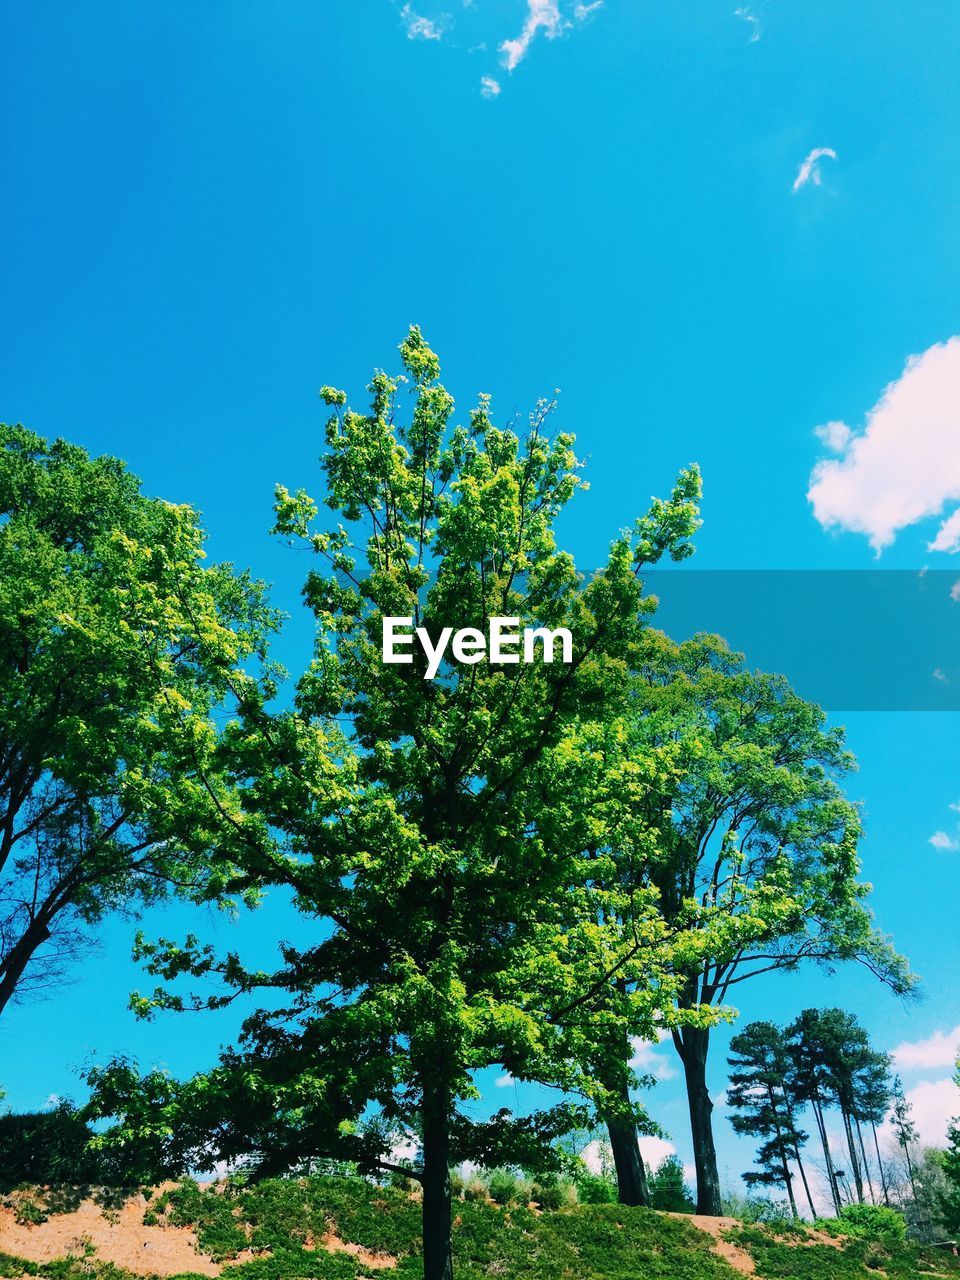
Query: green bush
<point x="504" y="1187"/>
<point x="45" y="1147"/>
<point x="871" y="1221"/>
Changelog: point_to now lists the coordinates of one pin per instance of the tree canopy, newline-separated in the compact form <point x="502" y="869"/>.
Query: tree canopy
<point x="118" y="648"/>
<point x="451" y="836"/>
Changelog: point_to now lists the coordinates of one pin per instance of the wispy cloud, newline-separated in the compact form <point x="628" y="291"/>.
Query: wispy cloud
<point x="583" y="11"/>
<point x="505" y="1081"/>
<point x="748" y="16"/>
<point x="421" y="28"/>
<point x="904" y="466"/>
<point x="542" y="15"/>
<point x="936" y="1051"/>
<point x="489" y="88"/>
<point x="940" y="840"/>
<point x="810" y="169"/>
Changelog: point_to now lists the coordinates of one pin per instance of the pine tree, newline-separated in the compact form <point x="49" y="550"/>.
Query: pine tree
<point x="758" y="1090"/>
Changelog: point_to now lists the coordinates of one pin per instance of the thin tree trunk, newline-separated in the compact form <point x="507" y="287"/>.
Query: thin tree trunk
<point x="792" y="1121"/>
<point x="852" y="1149"/>
<point x="437" y="1256"/>
<point x="866" y="1163"/>
<point x="883" y="1175"/>
<point x="632" y="1185"/>
<point x="803" y="1179"/>
<point x="828" y="1158"/>
<point x="692" y="1044"/>
<point x="787" y="1175"/>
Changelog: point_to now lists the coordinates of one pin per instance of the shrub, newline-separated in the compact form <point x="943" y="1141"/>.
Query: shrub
<point x="505" y="1188"/>
<point x="873" y="1222"/>
<point x="45" y="1147"/>
<point x="594" y="1188"/>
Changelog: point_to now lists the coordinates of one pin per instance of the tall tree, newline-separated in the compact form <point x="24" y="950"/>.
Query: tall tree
<point x="759" y="1093"/>
<point x="950" y="1199"/>
<point x="436" y="829"/>
<point x="118" y="646"/>
<point x="758" y="845"/>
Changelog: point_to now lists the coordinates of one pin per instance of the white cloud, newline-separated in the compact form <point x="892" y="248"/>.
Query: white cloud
<point x="583" y="11"/>
<point x="756" y="31"/>
<point x="938" y="1050"/>
<point x="810" y="169"/>
<point x="956" y="804"/>
<point x="505" y="1081"/>
<point x="489" y="88"/>
<point x="948" y="535"/>
<point x="905" y="464"/>
<point x="649" y="1062"/>
<point x="655" y="1151"/>
<point x="421" y="28"/>
<point x="835" y="435"/>
<point x="934" y="1104"/>
<point x="542" y="15"/>
<point x="939" y="674"/>
<point x="940" y="840"/>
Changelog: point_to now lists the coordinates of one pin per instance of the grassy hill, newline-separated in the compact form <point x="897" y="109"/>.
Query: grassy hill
<point x="347" y="1229"/>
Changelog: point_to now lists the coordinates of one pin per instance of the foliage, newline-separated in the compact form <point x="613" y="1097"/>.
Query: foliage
<point x="117" y="647"/>
<point x="438" y="827"/>
<point x="763" y="1105"/>
<point x="950" y="1197"/>
<point x="873" y="1221"/>
<point x="803" y="1255"/>
<point x="759" y="866"/>
<point x="45" y="1147"/>
<point x="668" y="1187"/>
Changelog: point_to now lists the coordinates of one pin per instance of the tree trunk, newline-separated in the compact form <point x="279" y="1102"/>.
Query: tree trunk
<point x="11" y="971"/>
<point x="803" y="1179"/>
<point x="868" y="1175"/>
<point x="631" y="1176"/>
<point x="437" y="1256"/>
<point x="787" y="1175"/>
<point x="792" y="1121"/>
<point x="828" y="1158"/>
<point x="852" y="1149"/>
<point x="883" y="1175"/>
<point x="692" y="1044"/>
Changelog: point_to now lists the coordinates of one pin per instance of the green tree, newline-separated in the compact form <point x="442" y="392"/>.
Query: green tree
<point x="446" y="834"/>
<point x="950" y="1198"/>
<point x="759" y="1094"/>
<point x="758" y="846"/>
<point x="668" y="1188"/>
<point x="117" y="646"/>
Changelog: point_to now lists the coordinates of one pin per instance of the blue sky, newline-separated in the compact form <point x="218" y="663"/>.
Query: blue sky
<point x="209" y="210"/>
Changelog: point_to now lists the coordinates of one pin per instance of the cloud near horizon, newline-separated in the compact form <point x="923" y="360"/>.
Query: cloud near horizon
<point x="904" y="466"/>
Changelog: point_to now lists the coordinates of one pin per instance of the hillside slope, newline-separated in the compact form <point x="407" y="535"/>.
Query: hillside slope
<point x="347" y="1229"/>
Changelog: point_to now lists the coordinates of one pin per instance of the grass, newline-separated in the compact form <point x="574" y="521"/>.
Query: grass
<point x="800" y="1256"/>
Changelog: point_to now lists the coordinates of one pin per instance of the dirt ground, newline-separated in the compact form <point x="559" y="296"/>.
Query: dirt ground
<point x="122" y="1238"/>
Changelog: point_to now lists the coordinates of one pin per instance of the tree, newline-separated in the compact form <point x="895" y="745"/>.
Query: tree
<point x="758" y="860"/>
<point x="950" y="1198"/>
<point x="759" y="1092"/>
<point x="668" y="1188"/>
<point x="117" y="647"/>
<point x="445" y="834"/>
